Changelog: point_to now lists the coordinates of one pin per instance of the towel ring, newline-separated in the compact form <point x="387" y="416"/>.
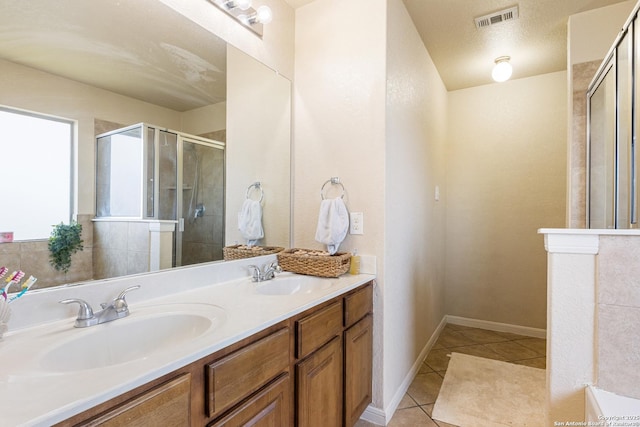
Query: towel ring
<point x="257" y="186"/>
<point x="334" y="181"/>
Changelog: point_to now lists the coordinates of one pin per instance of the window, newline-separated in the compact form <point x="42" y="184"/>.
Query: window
<point x="36" y="173"/>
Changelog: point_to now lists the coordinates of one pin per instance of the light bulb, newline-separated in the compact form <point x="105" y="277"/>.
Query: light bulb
<point x="502" y="70"/>
<point x="264" y="14"/>
<point x="244" y="18"/>
<point x="242" y="4"/>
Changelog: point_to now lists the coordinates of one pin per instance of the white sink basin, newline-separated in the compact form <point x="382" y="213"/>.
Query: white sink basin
<point x="147" y="330"/>
<point x="290" y="284"/>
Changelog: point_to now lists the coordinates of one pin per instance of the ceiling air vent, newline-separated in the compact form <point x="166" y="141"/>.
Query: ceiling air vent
<point x="497" y="17"/>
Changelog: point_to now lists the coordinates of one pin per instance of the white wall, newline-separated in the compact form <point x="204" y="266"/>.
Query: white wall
<point x="339" y="128"/>
<point x="414" y="221"/>
<point x="506" y="166"/>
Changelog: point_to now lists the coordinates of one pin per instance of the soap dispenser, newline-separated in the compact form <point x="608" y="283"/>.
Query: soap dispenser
<point x="354" y="268"/>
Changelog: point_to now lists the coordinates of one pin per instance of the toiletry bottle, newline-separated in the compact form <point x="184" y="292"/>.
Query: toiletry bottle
<point x="355" y="263"/>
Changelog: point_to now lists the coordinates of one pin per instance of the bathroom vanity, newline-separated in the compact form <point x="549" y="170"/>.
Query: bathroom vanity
<point x="294" y="351"/>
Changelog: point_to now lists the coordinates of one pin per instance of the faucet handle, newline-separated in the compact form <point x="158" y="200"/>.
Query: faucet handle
<point x="120" y="303"/>
<point x="85" y="312"/>
<point x="123" y="293"/>
<point x="276" y="267"/>
<point x="255" y="272"/>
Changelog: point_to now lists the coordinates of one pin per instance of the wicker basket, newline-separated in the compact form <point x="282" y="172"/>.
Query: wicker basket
<point x="306" y="261"/>
<point x="243" y="251"/>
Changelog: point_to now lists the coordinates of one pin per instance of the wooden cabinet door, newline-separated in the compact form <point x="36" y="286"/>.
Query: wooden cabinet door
<point x="358" y="366"/>
<point x="268" y="408"/>
<point x="319" y="387"/>
<point x="168" y="405"/>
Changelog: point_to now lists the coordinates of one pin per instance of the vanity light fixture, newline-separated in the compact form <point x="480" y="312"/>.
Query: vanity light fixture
<point x="240" y="4"/>
<point x="502" y="70"/>
<point x="242" y="11"/>
<point x="263" y="16"/>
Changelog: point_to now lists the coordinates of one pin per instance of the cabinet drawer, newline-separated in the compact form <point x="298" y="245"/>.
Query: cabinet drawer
<point x="358" y="305"/>
<point x="270" y="407"/>
<point x="236" y="376"/>
<point x="168" y="404"/>
<point x="318" y="328"/>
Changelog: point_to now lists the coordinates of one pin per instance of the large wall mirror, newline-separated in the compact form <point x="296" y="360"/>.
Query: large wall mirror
<point x="113" y="64"/>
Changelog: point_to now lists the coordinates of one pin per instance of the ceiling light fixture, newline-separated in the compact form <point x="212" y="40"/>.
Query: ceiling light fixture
<point x="242" y="11"/>
<point x="502" y="70"/>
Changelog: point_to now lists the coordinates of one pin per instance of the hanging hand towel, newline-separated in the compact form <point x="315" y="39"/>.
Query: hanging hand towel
<point x="250" y="221"/>
<point x="333" y="223"/>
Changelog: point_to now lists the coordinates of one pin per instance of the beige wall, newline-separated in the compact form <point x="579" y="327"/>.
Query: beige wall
<point x="506" y="164"/>
<point x="339" y="130"/>
<point x="591" y="33"/>
<point x="260" y="142"/>
<point x="414" y="231"/>
<point x="383" y="134"/>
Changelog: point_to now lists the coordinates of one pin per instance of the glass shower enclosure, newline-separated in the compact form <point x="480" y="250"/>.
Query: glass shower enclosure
<point x="163" y="187"/>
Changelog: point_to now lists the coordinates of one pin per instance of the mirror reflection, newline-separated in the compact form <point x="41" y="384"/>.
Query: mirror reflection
<point x="114" y="65"/>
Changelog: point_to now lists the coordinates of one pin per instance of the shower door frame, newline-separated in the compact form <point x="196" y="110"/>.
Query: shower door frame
<point x="182" y="138"/>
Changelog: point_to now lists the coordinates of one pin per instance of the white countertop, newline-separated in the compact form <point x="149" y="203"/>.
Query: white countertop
<point x="33" y="394"/>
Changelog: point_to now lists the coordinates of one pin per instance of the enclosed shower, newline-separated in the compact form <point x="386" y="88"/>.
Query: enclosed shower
<point x="159" y="200"/>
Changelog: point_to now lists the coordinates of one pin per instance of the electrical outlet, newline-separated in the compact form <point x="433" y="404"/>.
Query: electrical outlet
<point x="356" y="223"/>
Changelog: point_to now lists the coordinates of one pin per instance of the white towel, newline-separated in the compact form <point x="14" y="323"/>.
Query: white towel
<point x="333" y="223"/>
<point x="250" y="221"/>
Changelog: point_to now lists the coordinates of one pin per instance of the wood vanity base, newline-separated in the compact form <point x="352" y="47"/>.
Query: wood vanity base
<point x="313" y="369"/>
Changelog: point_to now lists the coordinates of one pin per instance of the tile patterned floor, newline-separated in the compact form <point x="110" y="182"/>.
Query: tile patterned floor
<point x="416" y="406"/>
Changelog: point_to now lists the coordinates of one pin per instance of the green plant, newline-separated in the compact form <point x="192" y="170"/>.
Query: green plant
<point x="65" y="240"/>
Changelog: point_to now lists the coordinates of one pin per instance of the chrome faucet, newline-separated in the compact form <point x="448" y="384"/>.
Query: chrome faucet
<point x="268" y="272"/>
<point x="113" y="310"/>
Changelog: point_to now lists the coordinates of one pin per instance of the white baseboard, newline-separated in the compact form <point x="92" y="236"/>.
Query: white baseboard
<point x="374" y="415"/>
<point x="382" y="417"/>
<point x="496" y="326"/>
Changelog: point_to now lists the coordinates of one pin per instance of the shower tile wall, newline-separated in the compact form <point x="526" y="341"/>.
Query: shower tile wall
<point x="203" y="238"/>
<point x="618" y="315"/>
<point x="32" y="257"/>
<point x="120" y="248"/>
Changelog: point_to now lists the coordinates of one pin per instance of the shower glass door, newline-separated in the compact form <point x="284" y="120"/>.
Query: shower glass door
<point x="200" y="235"/>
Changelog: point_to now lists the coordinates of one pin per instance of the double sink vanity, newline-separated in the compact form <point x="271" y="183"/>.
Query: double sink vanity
<point x="201" y="346"/>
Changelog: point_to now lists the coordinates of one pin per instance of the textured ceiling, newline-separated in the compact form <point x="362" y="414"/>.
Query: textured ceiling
<point x="145" y="50"/>
<point x="141" y="49"/>
<point x="464" y="56"/>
